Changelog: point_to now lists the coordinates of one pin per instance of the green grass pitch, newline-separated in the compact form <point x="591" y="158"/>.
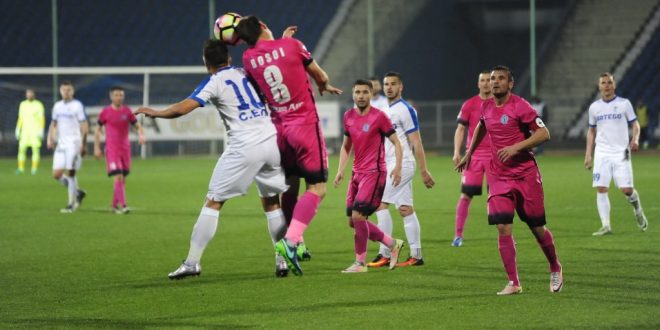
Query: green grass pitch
<point x="94" y="269"/>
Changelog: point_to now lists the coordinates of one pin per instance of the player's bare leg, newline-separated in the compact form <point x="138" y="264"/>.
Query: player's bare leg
<point x="547" y="243"/>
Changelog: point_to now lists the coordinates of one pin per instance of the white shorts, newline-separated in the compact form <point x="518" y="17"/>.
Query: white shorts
<point x="608" y="166"/>
<point x="67" y="157"/>
<point x="238" y="168"/>
<point x="401" y="194"/>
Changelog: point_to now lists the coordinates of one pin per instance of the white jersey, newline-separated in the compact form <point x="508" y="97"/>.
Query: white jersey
<point x="611" y="120"/>
<point x="245" y="116"/>
<point x="68" y="116"/>
<point x="404" y="119"/>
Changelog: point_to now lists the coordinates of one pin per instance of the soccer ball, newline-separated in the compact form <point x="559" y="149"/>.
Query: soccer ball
<point x="224" y="28"/>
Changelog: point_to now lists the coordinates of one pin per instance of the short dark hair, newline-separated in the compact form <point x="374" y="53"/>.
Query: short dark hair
<point x="66" y="83"/>
<point x="485" y="72"/>
<point x="215" y="53"/>
<point x="606" y="74"/>
<point x="374" y="78"/>
<point x="504" y="68"/>
<point x="394" y="74"/>
<point x="116" y="88"/>
<point x="249" y="29"/>
<point x="364" y="82"/>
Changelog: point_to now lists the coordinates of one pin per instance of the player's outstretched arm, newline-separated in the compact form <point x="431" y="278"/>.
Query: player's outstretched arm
<point x="591" y="137"/>
<point x="345" y="150"/>
<point x="321" y="79"/>
<point x="398" y="153"/>
<point x="415" y="140"/>
<point x="98" y="130"/>
<point x="173" y="111"/>
<point x="540" y="135"/>
<point x="140" y="131"/>
<point x="458" y="143"/>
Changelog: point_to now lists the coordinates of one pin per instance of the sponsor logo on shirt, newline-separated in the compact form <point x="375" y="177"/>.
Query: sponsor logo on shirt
<point x="609" y="116"/>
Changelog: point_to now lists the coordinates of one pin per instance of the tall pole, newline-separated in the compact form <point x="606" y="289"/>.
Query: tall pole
<point x="370" y="38"/>
<point x="55" y="46"/>
<point x="532" y="47"/>
<point x="211" y="17"/>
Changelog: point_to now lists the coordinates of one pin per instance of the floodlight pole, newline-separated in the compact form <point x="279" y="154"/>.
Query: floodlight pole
<point x="211" y="17"/>
<point x="370" y="38"/>
<point x="145" y="103"/>
<point x="532" y="47"/>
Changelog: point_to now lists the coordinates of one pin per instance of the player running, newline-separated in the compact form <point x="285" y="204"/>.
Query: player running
<point x="30" y="130"/>
<point x="514" y="179"/>
<point x="69" y="128"/>
<point x="365" y="128"/>
<point x="117" y="119"/>
<point x="279" y="68"/>
<point x="251" y="155"/>
<point x="404" y="118"/>
<point x="473" y="177"/>
<point x="609" y="119"/>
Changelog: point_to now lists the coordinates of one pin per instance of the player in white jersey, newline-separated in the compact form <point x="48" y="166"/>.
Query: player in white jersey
<point x="378" y="101"/>
<point x="251" y="155"/>
<point x="609" y="118"/>
<point x="68" y="135"/>
<point x="404" y="119"/>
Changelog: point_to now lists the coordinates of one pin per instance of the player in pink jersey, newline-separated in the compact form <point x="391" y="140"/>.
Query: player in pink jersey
<point x="514" y="179"/>
<point x="117" y="119"/>
<point x="279" y="68"/>
<point x="473" y="177"/>
<point x="365" y="129"/>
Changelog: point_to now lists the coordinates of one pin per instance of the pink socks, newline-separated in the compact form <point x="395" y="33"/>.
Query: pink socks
<point x="366" y="230"/>
<point x="462" y="209"/>
<point x="547" y="244"/>
<point x="303" y="213"/>
<point x="508" y="253"/>
<point x="119" y="195"/>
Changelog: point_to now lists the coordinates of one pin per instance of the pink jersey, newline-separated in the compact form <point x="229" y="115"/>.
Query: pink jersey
<point x="117" y="123"/>
<point x="470" y="115"/>
<point x="279" y="69"/>
<point x="508" y="125"/>
<point x="368" y="132"/>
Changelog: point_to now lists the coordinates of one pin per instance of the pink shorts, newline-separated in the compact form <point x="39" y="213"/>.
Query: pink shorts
<point x="524" y="195"/>
<point x="303" y="151"/>
<point x="118" y="161"/>
<point x="473" y="177"/>
<point x="365" y="192"/>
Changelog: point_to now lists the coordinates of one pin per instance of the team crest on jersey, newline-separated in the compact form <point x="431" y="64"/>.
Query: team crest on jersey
<point x="504" y="119"/>
<point x="365" y="128"/>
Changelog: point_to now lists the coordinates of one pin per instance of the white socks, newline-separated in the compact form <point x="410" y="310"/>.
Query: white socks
<point x="411" y="226"/>
<point x="73" y="191"/>
<point x="203" y="232"/>
<point x="603" y="204"/>
<point x="635" y="202"/>
<point x="385" y="224"/>
<point x="64" y="180"/>
<point x="276" y="225"/>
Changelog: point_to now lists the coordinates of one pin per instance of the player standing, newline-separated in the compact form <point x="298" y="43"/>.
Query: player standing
<point x="117" y="118"/>
<point x="365" y="128"/>
<point x="30" y="130"/>
<point x="378" y="101"/>
<point x="251" y="154"/>
<point x="473" y="177"/>
<point x="609" y="119"/>
<point x="404" y="118"/>
<point x="279" y="68"/>
<point x="69" y="126"/>
<point x="514" y="179"/>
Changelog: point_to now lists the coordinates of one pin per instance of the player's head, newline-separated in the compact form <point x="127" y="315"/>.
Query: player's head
<point x="251" y="28"/>
<point x="484" y="83"/>
<point x="117" y="95"/>
<point x="66" y="90"/>
<point x="393" y="85"/>
<point x="375" y="82"/>
<point x="29" y="94"/>
<point x="606" y="85"/>
<point x="216" y="55"/>
<point x="501" y="81"/>
<point x="362" y="89"/>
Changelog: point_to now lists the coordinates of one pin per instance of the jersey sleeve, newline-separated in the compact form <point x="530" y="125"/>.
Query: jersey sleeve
<point x="463" y="117"/>
<point x="409" y="120"/>
<point x="592" y="116"/>
<point x="131" y="117"/>
<point x="346" y="133"/>
<point x="81" y="115"/>
<point x="102" y="117"/>
<point x="203" y="92"/>
<point x="530" y="117"/>
<point x="630" y="112"/>
<point x="304" y="54"/>
<point x="55" y="115"/>
<point x="385" y="125"/>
